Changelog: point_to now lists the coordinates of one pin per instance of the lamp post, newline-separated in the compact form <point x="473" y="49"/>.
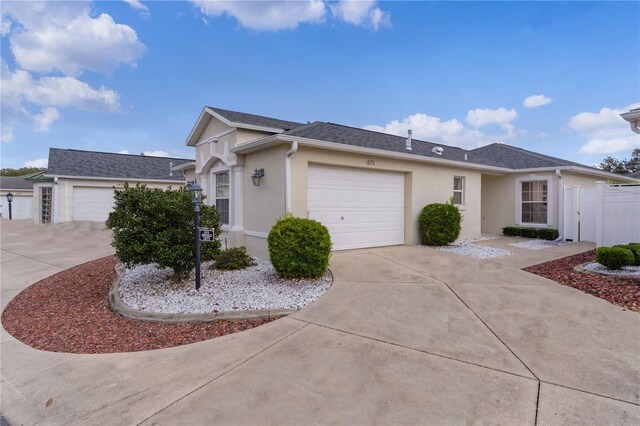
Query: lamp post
<point x="196" y="197"/>
<point x="9" y="200"/>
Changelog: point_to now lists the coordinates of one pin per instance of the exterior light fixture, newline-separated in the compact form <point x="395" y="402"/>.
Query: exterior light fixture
<point x="256" y="176"/>
<point x="196" y="197"/>
<point x="9" y="199"/>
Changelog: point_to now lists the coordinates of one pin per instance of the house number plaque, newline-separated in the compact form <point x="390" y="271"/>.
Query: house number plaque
<point x="371" y="163"/>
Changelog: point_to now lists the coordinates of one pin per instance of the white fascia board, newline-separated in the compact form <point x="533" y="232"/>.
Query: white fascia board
<point x="184" y="166"/>
<point x="578" y="169"/>
<point x="633" y="115"/>
<point x="118" y="179"/>
<point x="189" y="141"/>
<point x="276" y="139"/>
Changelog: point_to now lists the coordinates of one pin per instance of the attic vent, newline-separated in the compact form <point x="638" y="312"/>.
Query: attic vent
<point x="438" y="150"/>
<point x="407" y="145"/>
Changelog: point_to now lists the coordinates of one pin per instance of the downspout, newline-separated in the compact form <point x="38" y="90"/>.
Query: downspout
<point x="287" y="176"/>
<point x="560" y="206"/>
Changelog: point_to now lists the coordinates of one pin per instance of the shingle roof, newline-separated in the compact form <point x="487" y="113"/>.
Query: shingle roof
<point x="339" y="133"/>
<point x="72" y="162"/>
<point x="512" y="157"/>
<point x="635" y="175"/>
<point x="255" y="120"/>
<point x="15" y="182"/>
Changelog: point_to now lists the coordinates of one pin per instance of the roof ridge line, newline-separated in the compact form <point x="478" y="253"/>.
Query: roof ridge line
<point x="118" y="153"/>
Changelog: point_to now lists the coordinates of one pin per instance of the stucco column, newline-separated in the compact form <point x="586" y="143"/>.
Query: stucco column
<point x="237" y="187"/>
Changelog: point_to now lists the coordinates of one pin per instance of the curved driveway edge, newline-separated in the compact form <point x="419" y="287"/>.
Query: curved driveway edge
<point x="122" y="309"/>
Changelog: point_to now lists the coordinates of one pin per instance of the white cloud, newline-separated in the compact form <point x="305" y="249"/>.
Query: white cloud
<point x="20" y="92"/>
<point x="266" y="15"/>
<point x="63" y="36"/>
<point x="139" y="6"/>
<point x="156" y="153"/>
<point x="40" y="162"/>
<point x="6" y="134"/>
<point x="123" y="151"/>
<point x="606" y="132"/>
<point x="450" y="132"/>
<point x="482" y="117"/>
<point x="47" y="116"/>
<point x="361" y="12"/>
<point x="5" y="26"/>
<point x="535" y="101"/>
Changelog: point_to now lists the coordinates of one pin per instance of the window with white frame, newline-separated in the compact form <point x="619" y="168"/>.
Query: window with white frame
<point x="458" y="190"/>
<point x="534" y="201"/>
<point x="222" y="196"/>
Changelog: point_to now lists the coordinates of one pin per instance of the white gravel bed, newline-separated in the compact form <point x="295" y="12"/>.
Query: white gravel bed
<point x="148" y="288"/>
<point x="536" y="244"/>
<point x="633" y="271"/>
<point x="474" y="250"/>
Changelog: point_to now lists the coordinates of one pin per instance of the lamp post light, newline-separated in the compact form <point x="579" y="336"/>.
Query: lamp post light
<point x="196" y="197"/>
<point x="9" y="200"/>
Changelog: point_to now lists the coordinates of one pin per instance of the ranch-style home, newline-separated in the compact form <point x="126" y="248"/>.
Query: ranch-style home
<point x="78" y="185"/>
<point x="22" y="191"/>
<point x="368" y="188"/>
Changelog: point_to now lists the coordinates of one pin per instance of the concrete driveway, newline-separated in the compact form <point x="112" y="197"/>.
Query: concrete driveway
<point x="405" y="335"/>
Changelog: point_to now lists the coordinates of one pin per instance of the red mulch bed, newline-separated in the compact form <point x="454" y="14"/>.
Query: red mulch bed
<point x="70" y="312"/>
<point x="621" y="291"/>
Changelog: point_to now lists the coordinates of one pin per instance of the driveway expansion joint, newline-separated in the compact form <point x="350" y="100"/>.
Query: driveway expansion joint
<point x="35" y="260"/>
<point x="224" y="373"/>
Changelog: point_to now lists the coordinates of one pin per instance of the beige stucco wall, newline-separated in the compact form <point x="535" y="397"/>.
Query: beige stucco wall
<point x="425" y="183"/>
<point x="499" y="197"/>
<point x="265" y="203"/>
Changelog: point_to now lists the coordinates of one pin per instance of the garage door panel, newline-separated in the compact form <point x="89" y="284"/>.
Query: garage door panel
<point x="360" y="208"/>
<point x="92" y="203"/>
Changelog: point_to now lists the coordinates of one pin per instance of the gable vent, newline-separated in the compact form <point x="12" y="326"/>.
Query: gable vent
<point x="438" y="150"/>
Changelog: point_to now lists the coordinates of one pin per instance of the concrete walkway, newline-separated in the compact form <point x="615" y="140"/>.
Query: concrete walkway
<point x="405" y="335"/>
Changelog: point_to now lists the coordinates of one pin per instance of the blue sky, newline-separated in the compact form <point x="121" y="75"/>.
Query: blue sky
<point x="133" y="76"/>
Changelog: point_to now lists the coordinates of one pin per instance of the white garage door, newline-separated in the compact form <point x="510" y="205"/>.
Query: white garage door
<point x="92" y="204"/>
<point x="361" y="208"/>
<point x="20" y="207"/>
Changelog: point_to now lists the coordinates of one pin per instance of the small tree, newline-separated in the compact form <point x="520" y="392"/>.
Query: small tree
<point x="439" y="224"/>
<point x="156" y="226"/>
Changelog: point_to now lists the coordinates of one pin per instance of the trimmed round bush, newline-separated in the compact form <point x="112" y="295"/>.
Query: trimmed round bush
<point x="439" y="224"/>
<point x="548" y="234"/>
<point x="299" y="248"/>
<point x="511" y="231"/>
<point x="634" y="249"/>
<point x="614" y="257"/>
<point x="233" y="258"/>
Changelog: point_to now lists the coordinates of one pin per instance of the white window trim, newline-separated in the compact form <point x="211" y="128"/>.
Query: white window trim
<point x="550" y="200"/>
<point x="461" y="191"/>
<point x="221" y="168"/>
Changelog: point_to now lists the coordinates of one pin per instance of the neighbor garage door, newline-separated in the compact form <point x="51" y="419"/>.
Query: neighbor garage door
<point x="361" y="208"/>
<point x="92" y="204"/>
<point x="21" y="207"/>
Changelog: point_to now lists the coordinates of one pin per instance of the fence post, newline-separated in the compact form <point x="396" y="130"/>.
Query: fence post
<point x="599" y="212"/>
<point x="575" y="214"/>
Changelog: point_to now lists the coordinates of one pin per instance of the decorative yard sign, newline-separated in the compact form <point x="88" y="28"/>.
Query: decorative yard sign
<point x="206" y="234"/>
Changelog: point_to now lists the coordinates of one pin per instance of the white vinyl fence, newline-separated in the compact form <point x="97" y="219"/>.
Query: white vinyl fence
<point x="607" y="214"/>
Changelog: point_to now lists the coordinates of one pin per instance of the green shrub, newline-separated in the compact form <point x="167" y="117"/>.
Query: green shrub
<point x="439" y="224"/>
<point x="152" y="225"/>
<point x="634" y="249"/>
<point x="614" y="257"/>
<point x="548" y="234"/>
<point x="511" y="231"/>
<point x="299" y="247"/>
<point x="233" y="258"/>
<point x="529" y="232"/>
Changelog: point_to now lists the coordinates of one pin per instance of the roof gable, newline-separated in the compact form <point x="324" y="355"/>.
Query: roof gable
<point x="235" y="117"/>
<point x="71" y="162"/>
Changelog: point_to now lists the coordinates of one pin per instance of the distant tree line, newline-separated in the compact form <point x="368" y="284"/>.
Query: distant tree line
<point x="622" y="167"/>
<point x="19" y="172"/>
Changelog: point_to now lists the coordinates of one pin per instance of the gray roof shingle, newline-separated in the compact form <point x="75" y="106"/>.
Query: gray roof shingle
<point x="339" y="133"/>
<point x="255" y="120"/>
<point x="501" y="155"/>
<point x="15" y="182"/>
<point x="72" y="162"/>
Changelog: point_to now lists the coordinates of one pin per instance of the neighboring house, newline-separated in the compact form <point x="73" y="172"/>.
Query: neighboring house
<point x="368" y="188"/>
<point x="22" y="190"/>
<point x="79" y="185"/>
